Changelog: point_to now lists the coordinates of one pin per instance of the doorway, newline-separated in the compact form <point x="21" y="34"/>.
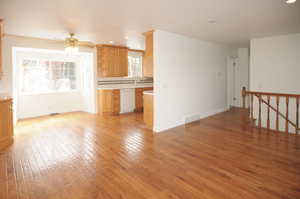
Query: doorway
<point x="237" y="76"/>
<point x="233" y="88"/>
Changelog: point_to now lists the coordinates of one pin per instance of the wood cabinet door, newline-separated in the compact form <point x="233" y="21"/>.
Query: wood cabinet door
<point x="113" y="61"/>
<point x="109" y="102"/>
<point x="6" y="123"/>
<point x="104" y="101"/>
<point x="103" y="60"/>
<point x="148" y="56"/>
<point x="113" y="64"/>
<point x="123" y="62"/>
<point x="116" y="102"/>
<point x="138" y="99"/>
<point x="148" y="110"/>
<point x="139" y="102"/>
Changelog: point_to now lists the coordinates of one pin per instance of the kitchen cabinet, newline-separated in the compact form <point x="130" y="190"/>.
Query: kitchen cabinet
<point x="148" y="109"/>
<point x="148" y="64"/>
<point x="139" y="104"/>
<point x="6" y="123"/>
<point x="1" y="47"/>
<point x="109" y="102"/>
<point x="112" y="61"/>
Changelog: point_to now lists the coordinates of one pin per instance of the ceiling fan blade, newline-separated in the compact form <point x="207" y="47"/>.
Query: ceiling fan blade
<point x="87" y="44"/>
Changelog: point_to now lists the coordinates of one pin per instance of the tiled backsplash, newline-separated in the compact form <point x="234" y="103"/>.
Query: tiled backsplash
<point x="123" y="80"/>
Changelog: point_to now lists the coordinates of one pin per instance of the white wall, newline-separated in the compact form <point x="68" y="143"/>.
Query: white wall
<point x="7" y="83"/>
<point x="189" y="79"/>
<point x="275" y="67"/>
<point x="44" y="104"/>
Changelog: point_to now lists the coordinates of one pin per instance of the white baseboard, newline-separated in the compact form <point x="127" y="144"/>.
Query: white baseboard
<point x="191" y="118"/>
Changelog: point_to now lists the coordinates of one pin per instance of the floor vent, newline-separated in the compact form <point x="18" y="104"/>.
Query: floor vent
<point x="53" y="114"/>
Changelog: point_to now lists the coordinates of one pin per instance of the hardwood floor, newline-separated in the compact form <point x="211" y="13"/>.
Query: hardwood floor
<point x="84" y="156"/>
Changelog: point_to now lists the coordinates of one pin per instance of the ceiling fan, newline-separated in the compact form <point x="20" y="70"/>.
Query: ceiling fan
<point x="72" y="43"/>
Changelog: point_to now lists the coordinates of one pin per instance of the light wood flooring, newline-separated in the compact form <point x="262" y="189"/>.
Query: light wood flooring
<point x="84" y="156"/>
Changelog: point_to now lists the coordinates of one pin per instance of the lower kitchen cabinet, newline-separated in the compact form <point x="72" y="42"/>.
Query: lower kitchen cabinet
<point x="139" y="104"/>
<point x="116" y="101"/>
<point x="148" y="110"/>
<point x="6" y="123"/>
<point x="109" y="102"/>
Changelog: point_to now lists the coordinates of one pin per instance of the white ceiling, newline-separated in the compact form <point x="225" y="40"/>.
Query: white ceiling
<point x="101" y="21"/>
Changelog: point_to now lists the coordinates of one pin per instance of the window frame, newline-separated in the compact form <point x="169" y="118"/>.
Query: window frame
<point x="48" y="56"/>
<point x="135" y="54"/>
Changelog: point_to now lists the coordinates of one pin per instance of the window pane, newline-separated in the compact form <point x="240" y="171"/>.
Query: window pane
<point x="42" y="76"/>
<point x="135" y="68"/>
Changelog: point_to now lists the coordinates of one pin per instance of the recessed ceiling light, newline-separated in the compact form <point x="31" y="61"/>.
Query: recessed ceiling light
<point x="290" y="1"/>
<point x="111" y="42"/>
<point x="126" y="37"/>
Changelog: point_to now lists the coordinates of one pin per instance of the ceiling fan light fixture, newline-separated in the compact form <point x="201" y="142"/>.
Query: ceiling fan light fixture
<point x="71" y="44"/>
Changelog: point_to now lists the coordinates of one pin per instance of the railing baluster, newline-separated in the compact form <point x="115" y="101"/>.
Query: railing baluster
<point x="268" y="120"/>
<point x="244" y="96"/>
<point x="251" y="107"/>
<point x="297" y="114"/>
<point x="277" y="113"/>
<point x="287" y="115"/>
<point x="248" y="105"/>
<point x="259" y="112"/>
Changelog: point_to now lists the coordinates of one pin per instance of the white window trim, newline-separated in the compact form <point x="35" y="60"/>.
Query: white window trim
<point x="139" y="55"/>
<point x="50" y="56"/>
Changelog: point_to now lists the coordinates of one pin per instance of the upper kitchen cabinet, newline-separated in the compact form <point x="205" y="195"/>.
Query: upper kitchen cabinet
<point x="148" y="55"/>
<point x="112" y="61"/>
<point x="1" y="47"/>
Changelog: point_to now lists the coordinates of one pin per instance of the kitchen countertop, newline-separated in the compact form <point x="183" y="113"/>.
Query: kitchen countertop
<point x="148" y="93"/>
<point x="124" y="86"/>
<point x="5" y="96"/>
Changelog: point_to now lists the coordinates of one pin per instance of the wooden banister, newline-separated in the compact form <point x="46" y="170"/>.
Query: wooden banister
<point x="280" y="114"/>
<point x="244" y="93"/>
<point x="277" y="96"/>
<point x="272" y="94"/>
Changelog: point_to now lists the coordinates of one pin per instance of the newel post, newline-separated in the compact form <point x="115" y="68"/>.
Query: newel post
<point x="244" y="96"/>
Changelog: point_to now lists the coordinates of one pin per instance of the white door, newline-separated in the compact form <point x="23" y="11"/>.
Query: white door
<point x="233" y="86"/>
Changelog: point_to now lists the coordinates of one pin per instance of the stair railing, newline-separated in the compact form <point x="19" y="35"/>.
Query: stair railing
<point x="269" y="96"/>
